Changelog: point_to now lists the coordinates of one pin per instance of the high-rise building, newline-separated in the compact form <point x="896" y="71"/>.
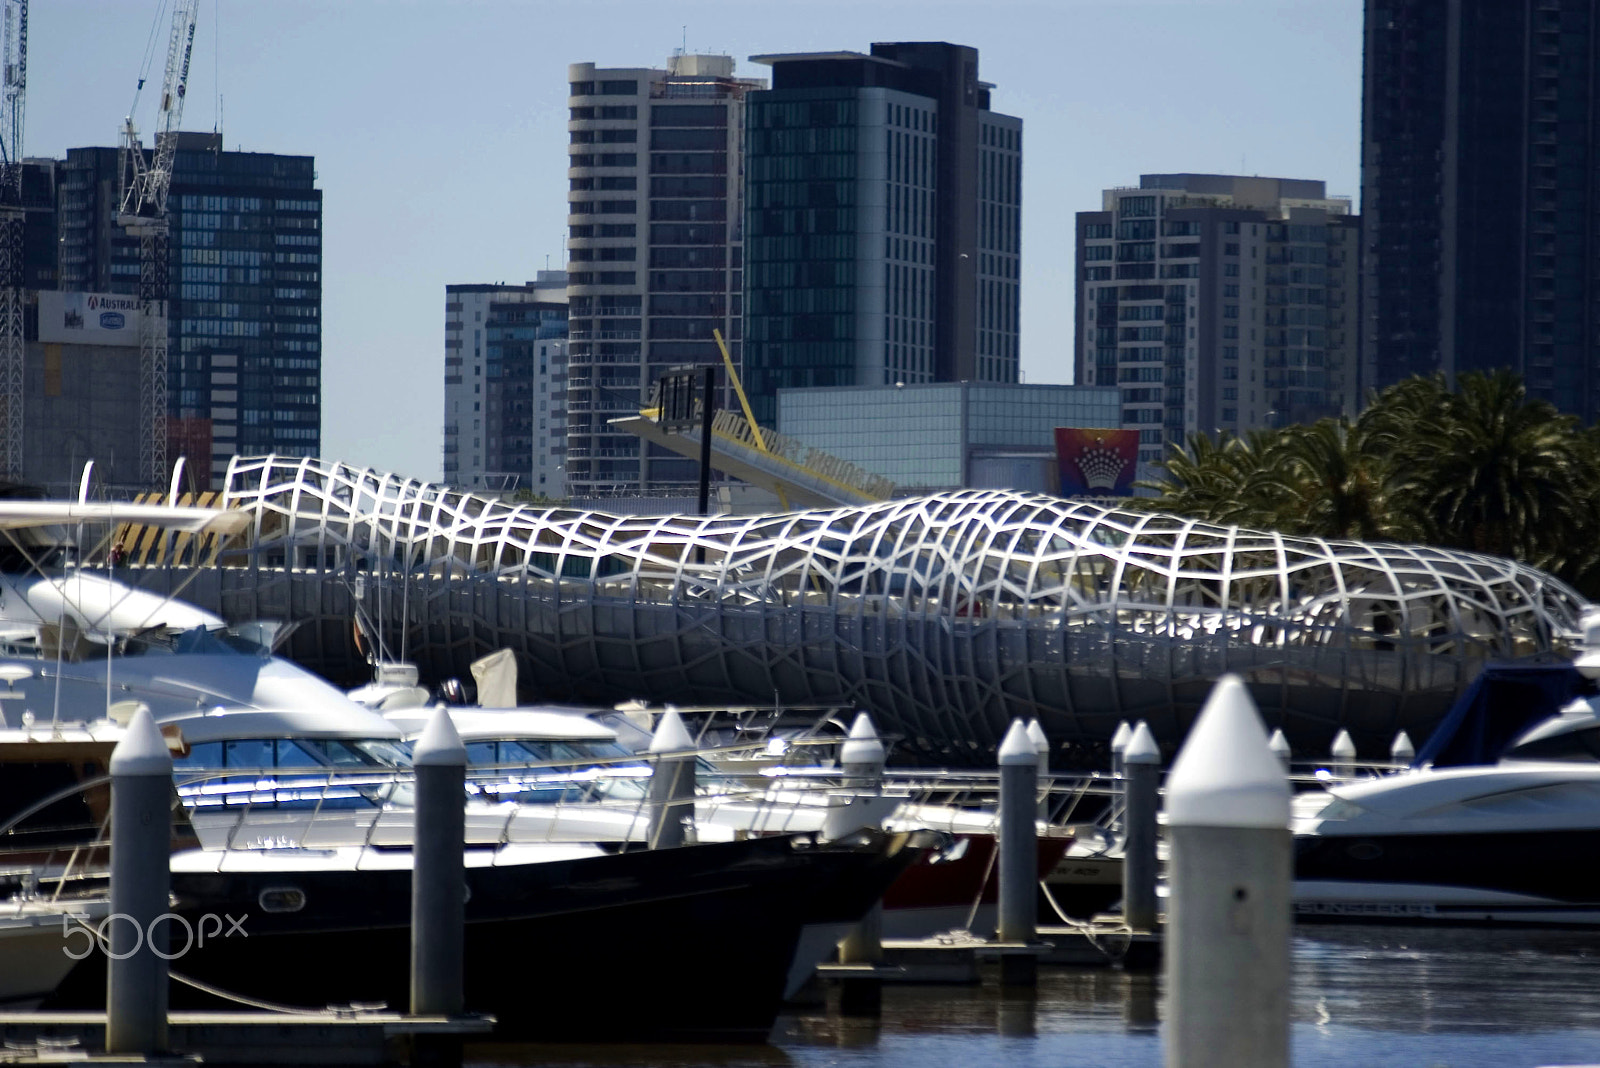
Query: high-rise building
<point x="244" y="364"/>
<point x="1218" y="303"/>
<point x="883" y="233"/>
<point x="505" y="369"/>
<point x="40" y="235"/>
<point x="653" y="252"/>
<point x="1480" y="134"/>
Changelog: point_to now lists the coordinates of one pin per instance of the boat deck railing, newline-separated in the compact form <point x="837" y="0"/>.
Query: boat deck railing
<point x="601" y="799"/>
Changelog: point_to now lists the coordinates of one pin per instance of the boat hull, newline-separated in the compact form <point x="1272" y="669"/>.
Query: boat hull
<point x="1549" y="877"/>
<point x="690" y="944"/>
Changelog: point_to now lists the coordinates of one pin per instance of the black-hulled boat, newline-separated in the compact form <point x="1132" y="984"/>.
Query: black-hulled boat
<point x="693" y="943"/>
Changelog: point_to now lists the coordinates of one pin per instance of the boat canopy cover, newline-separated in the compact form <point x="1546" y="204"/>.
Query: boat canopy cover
<point x="1502" y="702"/>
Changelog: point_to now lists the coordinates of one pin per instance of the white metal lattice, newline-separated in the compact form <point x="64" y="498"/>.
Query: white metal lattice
<point x="944" y="615"/>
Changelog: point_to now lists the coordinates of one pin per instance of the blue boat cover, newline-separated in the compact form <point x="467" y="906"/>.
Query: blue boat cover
<point x="1502" y="702"/>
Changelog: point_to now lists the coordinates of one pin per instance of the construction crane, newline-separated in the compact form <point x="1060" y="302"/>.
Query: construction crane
<point x="143" y="213"/>
<point x="13" y="89"/>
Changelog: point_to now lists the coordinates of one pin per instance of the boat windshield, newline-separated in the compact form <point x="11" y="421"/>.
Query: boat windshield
<point x="578" y="770"/>
<point x="209" y="640"/>
<point x="281" y="773"/>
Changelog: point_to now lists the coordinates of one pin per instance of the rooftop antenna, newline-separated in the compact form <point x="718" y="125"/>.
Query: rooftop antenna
<point x="216" y="65"/>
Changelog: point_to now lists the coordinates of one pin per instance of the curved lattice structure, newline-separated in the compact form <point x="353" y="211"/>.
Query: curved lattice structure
<point x="944" y="615"/>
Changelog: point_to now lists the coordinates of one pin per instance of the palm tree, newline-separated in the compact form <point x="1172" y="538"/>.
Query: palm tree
<point x="1324" y="480"/>
<point x="1480" y="468"/>
<point x="1206" y="477"/>
<point x="1490" y="470"/>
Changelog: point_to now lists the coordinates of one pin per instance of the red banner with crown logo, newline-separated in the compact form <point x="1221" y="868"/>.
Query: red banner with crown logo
<point x="1096" y="463"/>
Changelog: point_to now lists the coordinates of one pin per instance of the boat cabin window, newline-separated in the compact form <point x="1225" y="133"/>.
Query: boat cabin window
<point x="213" y="641"/>
<point x="556" y="770"/>
<point x="310" y="763"/>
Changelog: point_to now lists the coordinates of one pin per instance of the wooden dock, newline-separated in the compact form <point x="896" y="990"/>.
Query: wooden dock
<point x="959" y="958"/>
<point x="259" y="1038"/>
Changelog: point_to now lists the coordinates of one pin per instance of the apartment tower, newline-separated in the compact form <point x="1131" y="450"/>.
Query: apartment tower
<point x="505" y="368"/>
<point x="1218" y="303"/>
<point x="654" y="240"/>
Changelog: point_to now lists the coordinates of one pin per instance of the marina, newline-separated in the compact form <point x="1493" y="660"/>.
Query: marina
<point x="416" y="879"/>
<point x="739" y="642"/>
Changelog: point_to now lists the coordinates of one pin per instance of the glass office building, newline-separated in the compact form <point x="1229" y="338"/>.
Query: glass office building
<point x="245" y="315"/>
<point x="947" y="435"/>
<point x="883" y="223"/>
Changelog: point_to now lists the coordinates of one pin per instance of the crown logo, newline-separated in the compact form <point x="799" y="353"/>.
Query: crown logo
<point x="1100" y="465"/>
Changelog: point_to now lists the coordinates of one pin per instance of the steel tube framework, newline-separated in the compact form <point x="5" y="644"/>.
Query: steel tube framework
<point x="945" y="616"/>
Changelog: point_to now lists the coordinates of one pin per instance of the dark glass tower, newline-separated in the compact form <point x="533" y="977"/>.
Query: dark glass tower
<point x="245" y="312"/>
<point x="517" y="359"/>
<point x="883" y="215"/>
<point x="1480" y="192"/>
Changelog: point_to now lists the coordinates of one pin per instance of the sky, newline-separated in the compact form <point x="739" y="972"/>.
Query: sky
<point x="439" y="131"/>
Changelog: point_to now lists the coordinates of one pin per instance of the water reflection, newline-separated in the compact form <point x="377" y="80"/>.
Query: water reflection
<point x="1462" y="979"/>
<point x="1373" y="996"/>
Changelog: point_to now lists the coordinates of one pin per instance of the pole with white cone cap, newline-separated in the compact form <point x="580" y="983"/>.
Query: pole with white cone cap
<point x="1019" y="852"/>
<point x="141" y="847"/>
<point x="1402" y="751"/>
<point x="672" y="783"/>
<point x="1141" y="764"/>
<point x="1041" y="745"/>
<point x="1343" y="754"/>
<point x="861" y="756"/>
<point x="1119" y="742"/>
<point x="438" y="872"/>
<point x="1279" y="744"/>
<point x="1228" y="916"/>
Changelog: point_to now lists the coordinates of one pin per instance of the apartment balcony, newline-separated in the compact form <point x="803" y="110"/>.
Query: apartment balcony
<point x="604" y="335"/>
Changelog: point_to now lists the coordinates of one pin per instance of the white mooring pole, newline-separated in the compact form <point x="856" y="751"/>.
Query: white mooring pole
<point x="1279" y="744"/>
<point x="1402" y="751"/>
<point x="1342" y="755"/>
<point x="1141" y="763"/>
<point x="671" y="783"/>
<point x="1228" y="917"/>
<point x="1019" y="852"/>
<point x="861" y="758"/>
<point x="141" y="849"/>
<point x="1041" y="745"/>
<point x="438" y="871"/>
<point x="1119" y="742"/>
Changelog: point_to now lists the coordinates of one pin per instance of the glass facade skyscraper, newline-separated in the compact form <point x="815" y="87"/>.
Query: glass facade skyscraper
<point x="1481" y="146"/>
<point x="245" y="300"/>
<point x="883" y="223"/>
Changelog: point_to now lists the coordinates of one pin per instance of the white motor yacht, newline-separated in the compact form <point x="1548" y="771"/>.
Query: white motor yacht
<point x="1516" y="841"/>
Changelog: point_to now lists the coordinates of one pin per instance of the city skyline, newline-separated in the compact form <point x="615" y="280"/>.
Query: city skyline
<point x="441" y="153"/>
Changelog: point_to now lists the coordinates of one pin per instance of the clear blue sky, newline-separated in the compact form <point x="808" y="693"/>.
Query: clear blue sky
<point x="439" y="130"/>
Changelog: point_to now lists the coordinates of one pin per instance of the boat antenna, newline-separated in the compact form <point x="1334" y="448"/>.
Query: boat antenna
<point x="405" y="579"/>
<point x="111" y="639"/>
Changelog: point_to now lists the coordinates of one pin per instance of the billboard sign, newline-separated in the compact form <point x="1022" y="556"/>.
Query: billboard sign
<point x="88" y="318"/>
<point x="1095" y="462"/>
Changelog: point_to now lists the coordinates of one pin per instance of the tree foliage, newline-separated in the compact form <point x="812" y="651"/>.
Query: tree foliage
<point x="1482" y="467"/>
